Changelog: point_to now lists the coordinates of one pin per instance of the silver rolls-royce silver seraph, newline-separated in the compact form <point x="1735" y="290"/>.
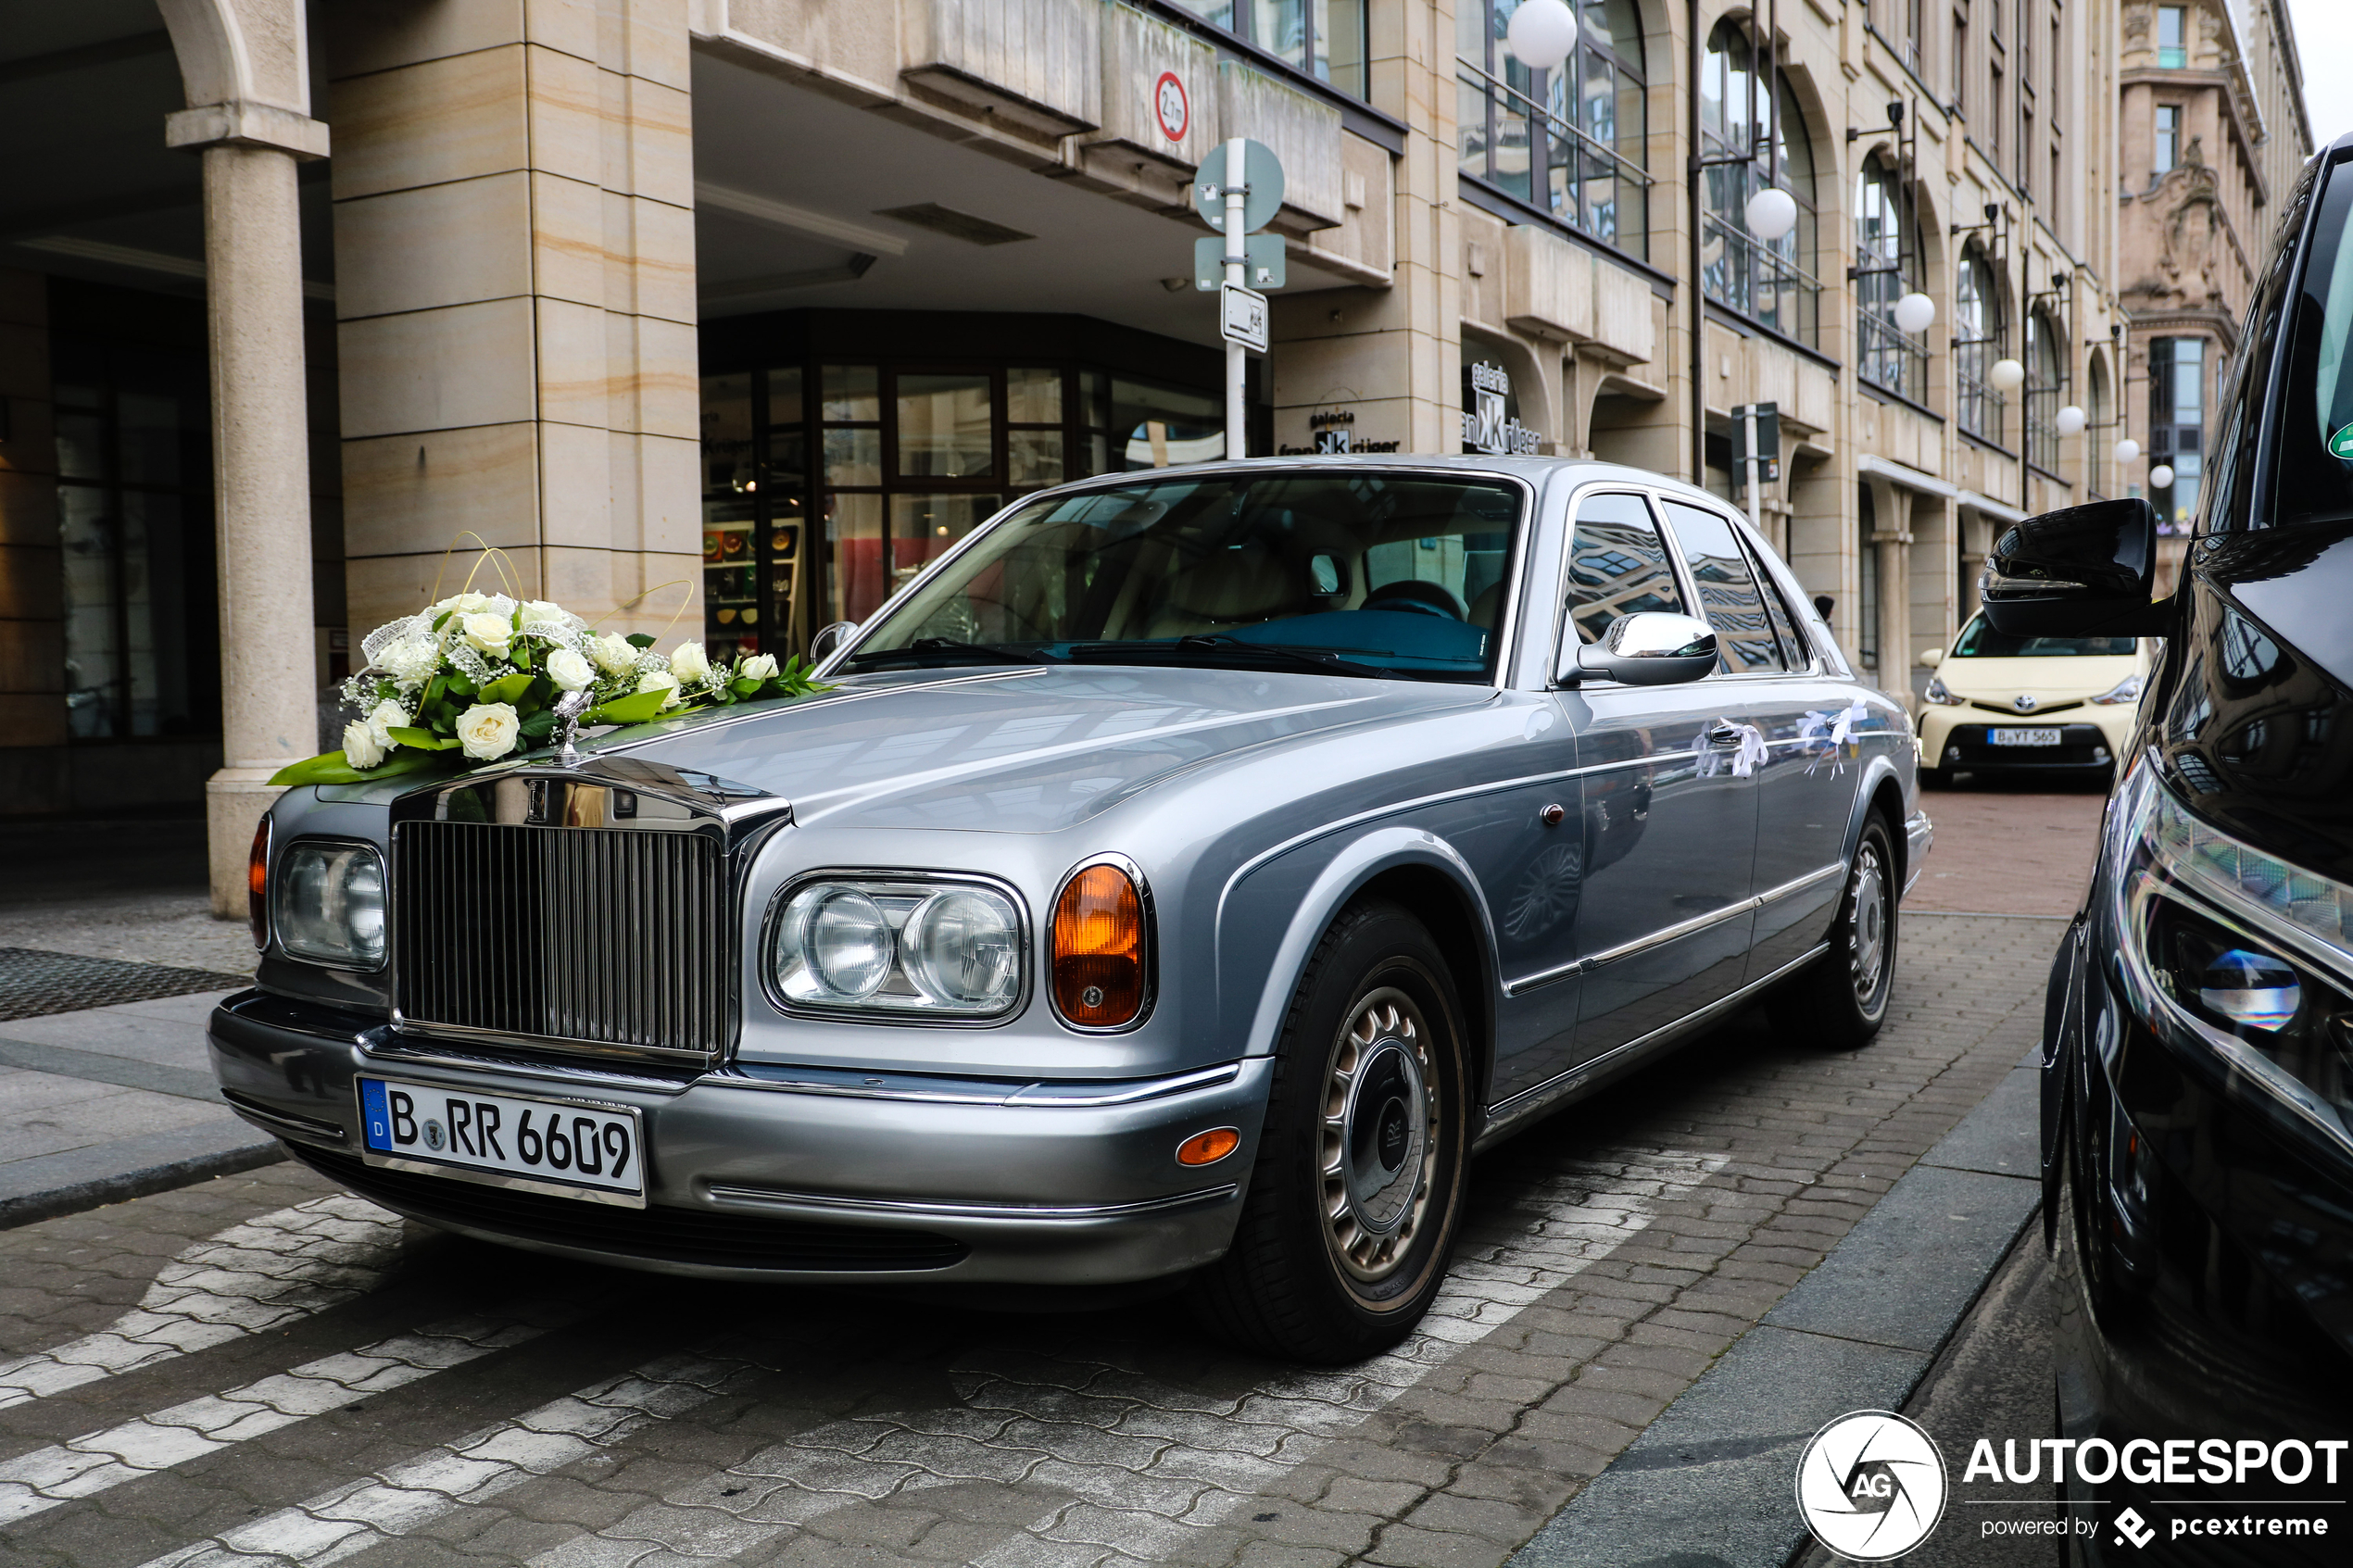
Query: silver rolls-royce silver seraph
<point x="1178" y="880"/>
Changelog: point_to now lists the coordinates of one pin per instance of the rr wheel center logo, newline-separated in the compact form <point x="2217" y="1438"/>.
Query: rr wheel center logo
<point x="1871" y="1486"/>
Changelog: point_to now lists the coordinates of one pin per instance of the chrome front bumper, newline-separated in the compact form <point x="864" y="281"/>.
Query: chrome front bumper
<point x="1060" y="1184"/>
<point x="1919" y="836"/>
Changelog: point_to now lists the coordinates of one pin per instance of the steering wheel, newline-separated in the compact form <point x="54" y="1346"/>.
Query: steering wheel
<point x="1411" y="594"/>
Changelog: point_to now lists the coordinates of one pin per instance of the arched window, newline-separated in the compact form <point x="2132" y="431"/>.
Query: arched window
<point x="2045" y="380"/>
<point x="1570" y="141"/>
<point x="1887" y="267"/>
<point x="1977" y="335"/>
<point x="1767" y="281"/>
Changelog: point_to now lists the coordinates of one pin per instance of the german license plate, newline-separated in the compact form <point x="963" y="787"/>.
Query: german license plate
<point x="572" y="1148"/>
<point x="2022" y="738"/>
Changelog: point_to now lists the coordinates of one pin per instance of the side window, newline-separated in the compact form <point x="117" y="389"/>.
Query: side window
<point x="1617" y="565"/>
<point x="1728" y="591"/>
<point x="1796" y="650"/>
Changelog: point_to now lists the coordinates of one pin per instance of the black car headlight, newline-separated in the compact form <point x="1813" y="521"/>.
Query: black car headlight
<point x="328" y="905"/>
<point x="2250" y="952"/>
<point x="902" y="946"/>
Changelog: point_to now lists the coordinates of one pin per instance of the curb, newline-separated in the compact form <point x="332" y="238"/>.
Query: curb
<point x="66" y="1182"/>
<point x="1711" y="1482"/>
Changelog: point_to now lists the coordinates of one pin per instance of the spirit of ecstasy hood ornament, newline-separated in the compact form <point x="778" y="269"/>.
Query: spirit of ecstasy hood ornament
<point x="570" y="709"/>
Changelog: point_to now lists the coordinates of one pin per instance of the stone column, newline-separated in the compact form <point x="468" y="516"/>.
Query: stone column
<point x="261" y="467"/>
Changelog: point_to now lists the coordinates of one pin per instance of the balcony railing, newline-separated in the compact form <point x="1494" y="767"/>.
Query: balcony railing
<point x="1888" y="356"/>
<point x="1742" y="271"/>
<point x="1516" y="144"/>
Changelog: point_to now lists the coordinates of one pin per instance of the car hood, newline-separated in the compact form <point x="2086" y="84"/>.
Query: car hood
<point x="1032" y="750"/>
<point x="2046" y="680"/>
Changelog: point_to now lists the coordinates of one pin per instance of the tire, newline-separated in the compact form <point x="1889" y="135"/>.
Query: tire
<point x="1838" y="1001"/>
<point x="1338" y="1251"/>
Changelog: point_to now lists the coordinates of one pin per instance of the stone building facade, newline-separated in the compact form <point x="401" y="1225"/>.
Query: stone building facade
<point x="730" y="313"/>
<point x="2215" y="133"/>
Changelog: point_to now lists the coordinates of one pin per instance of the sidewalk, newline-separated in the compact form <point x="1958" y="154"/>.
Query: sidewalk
<point x="101" y="1103"/>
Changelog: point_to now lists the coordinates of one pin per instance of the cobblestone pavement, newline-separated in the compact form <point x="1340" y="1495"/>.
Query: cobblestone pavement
<point x="257" y="1370"/>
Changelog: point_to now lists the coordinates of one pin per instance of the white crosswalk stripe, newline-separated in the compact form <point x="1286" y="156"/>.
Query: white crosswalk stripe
<point x="470" y="1470"/>
<point x="36" y="1482"/>
<point x="259" y="1275"/>
<point x="1147" y="1463"/>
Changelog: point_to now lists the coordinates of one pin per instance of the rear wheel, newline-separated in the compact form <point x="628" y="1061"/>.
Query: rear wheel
<point x="1352" y="1205"/>
<point x="1840" y="1000"/>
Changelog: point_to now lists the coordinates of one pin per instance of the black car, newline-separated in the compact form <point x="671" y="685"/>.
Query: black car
<point x="2199" y="1036"/>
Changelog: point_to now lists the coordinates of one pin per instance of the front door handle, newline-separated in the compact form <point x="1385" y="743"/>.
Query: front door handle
<point x="1723" y="732"/>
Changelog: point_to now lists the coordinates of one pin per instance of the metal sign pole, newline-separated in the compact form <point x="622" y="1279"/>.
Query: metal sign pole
<point x="1237" y="247"/>
<point x="1754" y="462"/>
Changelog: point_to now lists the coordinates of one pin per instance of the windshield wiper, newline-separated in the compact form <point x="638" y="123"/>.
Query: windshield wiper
<point x="1228" y="650"/>
<point x="924" y="649"/>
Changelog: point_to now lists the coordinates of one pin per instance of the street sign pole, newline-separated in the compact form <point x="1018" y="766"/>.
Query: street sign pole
<point x="1753" y="460"/>
<point x="1237" y="243"/>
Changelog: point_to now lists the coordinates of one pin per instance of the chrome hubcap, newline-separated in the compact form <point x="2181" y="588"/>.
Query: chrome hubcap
<point x="1869" y="891"/>
<point x="1381" y="1135"/>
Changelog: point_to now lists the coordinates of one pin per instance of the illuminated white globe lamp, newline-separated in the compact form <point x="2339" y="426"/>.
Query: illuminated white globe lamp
<point x="2069" y="421"/>
<point x="2161" y="476"/>
<point x="2007" y="375"/>
<point x="1771" y="213"/>
<point x="2127" y="449"/>
<point x="1540" y="34"/>
<point x="1915" y="313"/>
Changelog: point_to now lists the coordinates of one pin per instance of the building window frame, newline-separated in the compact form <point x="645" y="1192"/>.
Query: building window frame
<point x="1584" y="154"/>
<point x="2174" y="55"/>
<point x="1768" y="282"/>
<point x="2045" y="385"/>
<point x="1977" y="343"/>
<point x="2178" y="383"/>
<point x="1887" y="267"/>
<point x="2165" y="142"/>
<point x="1242" y="21"/>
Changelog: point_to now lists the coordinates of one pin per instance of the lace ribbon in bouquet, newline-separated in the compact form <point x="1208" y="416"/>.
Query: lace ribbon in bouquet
<point x="475" y="677"/>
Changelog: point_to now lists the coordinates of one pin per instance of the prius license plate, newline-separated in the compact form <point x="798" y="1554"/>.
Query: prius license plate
<point x="2022" y="738"/>
<point x="574" y="1148"/>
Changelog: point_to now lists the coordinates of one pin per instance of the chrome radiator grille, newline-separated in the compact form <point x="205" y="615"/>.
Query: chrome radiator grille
<point x="611" y="940"/>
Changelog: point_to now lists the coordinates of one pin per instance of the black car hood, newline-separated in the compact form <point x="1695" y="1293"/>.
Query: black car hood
<point x="2255" y="722"/>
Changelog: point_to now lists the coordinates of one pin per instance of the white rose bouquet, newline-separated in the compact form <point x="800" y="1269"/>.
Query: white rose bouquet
<point x="476" y="677"/>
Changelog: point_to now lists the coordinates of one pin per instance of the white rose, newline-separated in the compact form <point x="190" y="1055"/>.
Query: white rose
<point x="539" y="612"/>
<point x="487" y="731"/>
<point x="690" y="664"/>
<point x="489" y="631"/>
<point x="383" y="718"/>
<point x="759" y="667"/>
<point x="360" y="746"/>
<point x="615" y="654"/>
<point x="464" y="604"/>
<point x="569" y="670"/>
<point x="501" y="605"/>
<point x="412" y="660"/>
<point x="658" y="681"/>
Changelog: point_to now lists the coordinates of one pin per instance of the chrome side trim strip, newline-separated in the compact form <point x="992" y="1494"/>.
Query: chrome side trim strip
<point x="1670" y="933"/>
<point x="286" y="1123"/>
<point x="945" y="1091"/>
<point x="1505" y="1110"/>
<point x="1076" y="1214"/>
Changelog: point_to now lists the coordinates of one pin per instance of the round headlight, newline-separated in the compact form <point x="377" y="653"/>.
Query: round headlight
<point x="962" y="948"/>
<point x="848" y="944"/>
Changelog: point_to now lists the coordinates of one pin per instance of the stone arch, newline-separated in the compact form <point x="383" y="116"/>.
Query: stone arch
<point x="241" y="51"/>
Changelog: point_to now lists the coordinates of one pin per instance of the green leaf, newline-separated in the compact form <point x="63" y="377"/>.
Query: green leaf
<point x="433" y="690"/>
<point x="331" y="767"/>
<point x="639" y="640"/>
<point x="521" y="653"/>
<point x="539" y="727"/>
<point x="635" y="708"/>
<point x="443" y="619"/>
<point x="744" y="685"/>
<point x="422" y="740"/>
<point x="507" y="688"/>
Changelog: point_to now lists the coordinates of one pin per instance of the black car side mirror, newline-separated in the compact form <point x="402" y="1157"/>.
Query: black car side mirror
<point x="2082" y="571"/>
<point x="1648" y="648"/>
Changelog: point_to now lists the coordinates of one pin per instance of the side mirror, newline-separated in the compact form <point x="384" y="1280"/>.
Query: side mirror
<point x="1651" y="648"/>
<point x="1932" y="657"/>
<point x="2078" y="572"/>
<point x="828" y="638"/>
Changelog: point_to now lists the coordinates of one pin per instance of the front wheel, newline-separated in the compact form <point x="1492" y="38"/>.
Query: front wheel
<point x="1354" y="1204"/>
<point x="1840" y="1000"/>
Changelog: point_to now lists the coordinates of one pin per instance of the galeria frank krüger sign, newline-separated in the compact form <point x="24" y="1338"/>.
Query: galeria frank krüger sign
<point x="1490" y="427"/>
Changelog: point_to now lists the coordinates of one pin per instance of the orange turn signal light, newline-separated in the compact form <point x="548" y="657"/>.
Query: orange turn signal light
<point x="258" y="886"/>
<point x="1209" y="1148"/>
<point x="1098" y="949"/>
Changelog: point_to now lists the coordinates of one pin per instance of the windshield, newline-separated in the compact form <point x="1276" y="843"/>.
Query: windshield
<point x="1363" y="573"/>
<point x="1981" y="641"/>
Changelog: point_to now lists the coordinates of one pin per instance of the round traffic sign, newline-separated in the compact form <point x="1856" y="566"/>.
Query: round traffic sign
<point x="1263" y="172"/>
<point x="1170" y="106"/>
